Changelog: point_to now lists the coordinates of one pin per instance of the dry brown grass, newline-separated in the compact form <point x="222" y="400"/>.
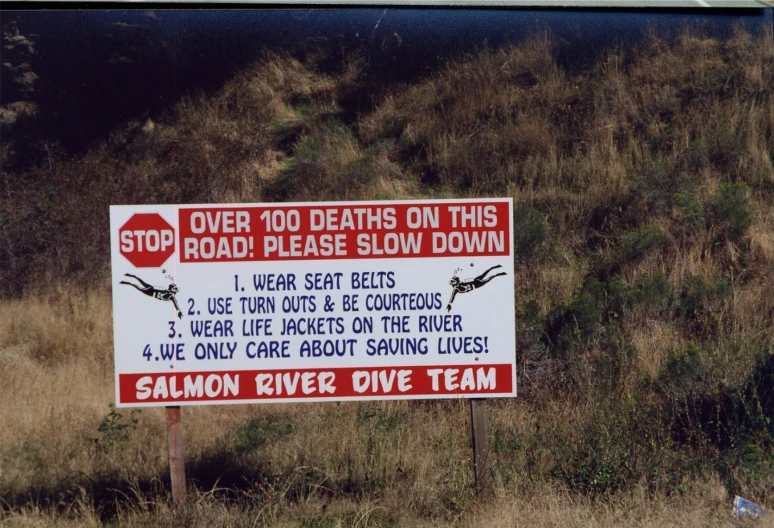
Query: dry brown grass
<point x="411" y="462"/>
<point x="548" y="509"/>
<point x="54" y="403"/>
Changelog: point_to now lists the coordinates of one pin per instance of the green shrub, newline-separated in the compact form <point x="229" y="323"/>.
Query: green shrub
<point x="681" y="373"/>
<point x="656" y="181"/>
<point x="696" y="157"/>
<point x="638" y="244"/>
<point x="731" y="210"/>
<point x="115" y="429"/>
<point x="599" y="303"/>
<point x="654" y="291"/>
<point x="727" y="426"/>
<point x="530" y="234"/>
<point x="726" y="149"/>
<point x="691" y="212"/>
<point x="587" y="309"/>
<point x="659" y="182"/>
<point x="624" y="443"/>
<point x="260" y="431"/>
<point x="701" y="305"/>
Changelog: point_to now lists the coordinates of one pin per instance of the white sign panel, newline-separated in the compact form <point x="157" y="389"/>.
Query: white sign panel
<point x="249" y="303"/>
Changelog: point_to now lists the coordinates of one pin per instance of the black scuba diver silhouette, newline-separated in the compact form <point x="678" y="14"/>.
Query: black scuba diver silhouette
<point x="162" y="295"/>
<point x="468" y="285"/>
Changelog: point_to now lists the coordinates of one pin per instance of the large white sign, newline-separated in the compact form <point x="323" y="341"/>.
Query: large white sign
<point x="249" y="303"/>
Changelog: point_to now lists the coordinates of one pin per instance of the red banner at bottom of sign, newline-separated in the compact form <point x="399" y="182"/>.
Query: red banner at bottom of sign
<point x="317" y="384"/>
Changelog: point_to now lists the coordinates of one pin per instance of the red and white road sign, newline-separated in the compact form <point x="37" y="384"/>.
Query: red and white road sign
<point x="251" y="303"/>
<point x="146" y="240"/>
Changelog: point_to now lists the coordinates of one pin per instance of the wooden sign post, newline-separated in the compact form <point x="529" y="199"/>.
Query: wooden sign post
<point x="479" y="431"/>
<point x="176" y="459"/>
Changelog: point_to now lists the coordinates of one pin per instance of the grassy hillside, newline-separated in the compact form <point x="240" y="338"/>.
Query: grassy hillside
<point x="644" y="208"/>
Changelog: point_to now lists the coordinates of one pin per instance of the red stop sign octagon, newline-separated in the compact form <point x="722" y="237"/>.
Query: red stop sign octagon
<point x="146" y="240"/>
